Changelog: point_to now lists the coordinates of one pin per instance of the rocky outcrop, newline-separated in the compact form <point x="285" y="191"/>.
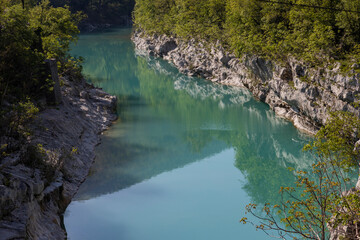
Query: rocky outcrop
<point x="38" y="182"/>
<point x="293" y="90"/>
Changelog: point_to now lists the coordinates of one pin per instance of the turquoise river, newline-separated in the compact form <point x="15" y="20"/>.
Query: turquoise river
<point x="184" y="157"/>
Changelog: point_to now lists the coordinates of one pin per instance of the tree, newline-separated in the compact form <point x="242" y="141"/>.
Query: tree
<point x="20" y="61"/>
<point x="28" y="37"/>
<point x="349" y="27"/>
<point x="155" y="16"/>
<point x="324" y="198"/>
<point x="58" y="28"/>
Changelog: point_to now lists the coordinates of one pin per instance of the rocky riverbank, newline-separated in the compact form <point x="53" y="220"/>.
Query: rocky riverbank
<point x="38" y="182"/>
<point x="293" y="90"/>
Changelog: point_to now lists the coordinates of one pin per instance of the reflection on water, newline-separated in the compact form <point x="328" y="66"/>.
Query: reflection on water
<point x="183" y="135"/>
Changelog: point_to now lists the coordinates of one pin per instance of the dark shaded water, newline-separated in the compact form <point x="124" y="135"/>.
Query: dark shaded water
<point x="185" y="156"/>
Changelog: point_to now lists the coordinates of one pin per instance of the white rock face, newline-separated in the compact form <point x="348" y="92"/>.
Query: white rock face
<point x="34" y="195"/>
<point x="298" y="93"/>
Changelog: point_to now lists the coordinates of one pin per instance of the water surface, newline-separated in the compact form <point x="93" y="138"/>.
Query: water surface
<point x="185" y="156"/>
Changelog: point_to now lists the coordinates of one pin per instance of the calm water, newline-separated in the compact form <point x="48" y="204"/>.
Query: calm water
<point x="185" y="157"/>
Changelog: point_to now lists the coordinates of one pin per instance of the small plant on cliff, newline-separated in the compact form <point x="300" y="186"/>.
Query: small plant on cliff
<point x="36" y="156"/>
<point x="13" y="128"/>
<point x="323" y="198"/>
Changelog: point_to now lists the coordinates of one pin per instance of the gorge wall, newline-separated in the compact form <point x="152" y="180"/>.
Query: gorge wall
<point x="299" y="93"/>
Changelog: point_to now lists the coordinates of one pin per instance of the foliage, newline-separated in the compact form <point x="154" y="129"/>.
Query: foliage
<point x="321" y="198"/>
<point x="155" y="16"/>
<point x="28" y="37"/>
<point x="21" y="69"/>
<point x="24" y="112"/>
<point x="57" y="26"/>
<point x="202" y="19"/>
<point x="311" y="30"/>
<point x="100" y="11"/>
<point x="72" y="67"/>
<point x="308" y="215"/>
<point x="337" y="139"/>
<point x="13" y="125"/>
<point x="30" y="34"/>
<point x="36" y="156"/>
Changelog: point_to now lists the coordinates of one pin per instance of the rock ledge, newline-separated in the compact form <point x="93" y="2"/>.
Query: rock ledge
<point x="34" y="195"/>
<point x="294" y="91"/>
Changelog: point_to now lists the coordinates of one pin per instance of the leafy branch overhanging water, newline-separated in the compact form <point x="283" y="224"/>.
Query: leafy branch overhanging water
<point x="324" y="198"/>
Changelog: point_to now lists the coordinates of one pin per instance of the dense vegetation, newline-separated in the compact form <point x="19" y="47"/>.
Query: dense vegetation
<point x="30" y="34"/>
<point x="28" y="37"/>
<point x="316" y="31"/>
<point x="101" y="11"/>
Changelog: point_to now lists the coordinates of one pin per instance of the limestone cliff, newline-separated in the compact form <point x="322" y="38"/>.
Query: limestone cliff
<point x="35" y="190"/>
<point x="302" y="94"/>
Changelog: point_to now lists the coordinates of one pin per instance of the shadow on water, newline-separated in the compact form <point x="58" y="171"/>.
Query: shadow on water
<point x="168" y="120"/>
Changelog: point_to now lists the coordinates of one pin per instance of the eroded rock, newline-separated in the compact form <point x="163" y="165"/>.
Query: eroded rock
<point x="307" y="95"/>
<point x="35" y="190"/>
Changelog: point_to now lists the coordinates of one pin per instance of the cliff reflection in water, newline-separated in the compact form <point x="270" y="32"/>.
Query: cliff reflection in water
<point x="169" y="120"/>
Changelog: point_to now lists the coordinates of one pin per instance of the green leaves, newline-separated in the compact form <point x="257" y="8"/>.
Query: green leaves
<point x="311" y="30"/>
<point x="29" y="36"/>
<point x="323" y="197"/>
<point x="184" y="18"/>
<point x="337" y="139"/>
<point x="58" y="27"/>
